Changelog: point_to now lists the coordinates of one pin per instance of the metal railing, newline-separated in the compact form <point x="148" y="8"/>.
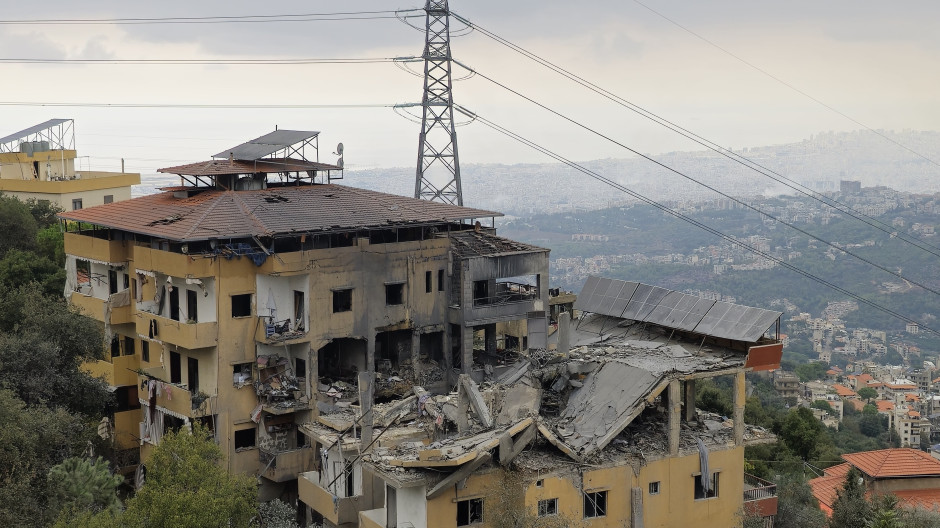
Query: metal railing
<point x="756" y="488"/>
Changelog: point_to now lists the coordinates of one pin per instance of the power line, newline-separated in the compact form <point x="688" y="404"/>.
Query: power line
<point x="690" y="220"/>
<point x="737" y="158"/>
<point x="202" y="106"/>
<point x="301" y="17"/>
<point x="703" y="184"/>
<point x="262" y="62"/>
<point x="785" y="83"/>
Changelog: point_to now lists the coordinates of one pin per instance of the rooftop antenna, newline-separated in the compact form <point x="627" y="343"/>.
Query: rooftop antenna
<point x="437" y="143"/>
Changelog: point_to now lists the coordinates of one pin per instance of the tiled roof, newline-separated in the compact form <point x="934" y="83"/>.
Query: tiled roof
<point x="899" y="462"/>
<point x="838" y="470"/>
<point x="857" y="404"/>
<point x="219" y="167"/>
<point x="927" y="499"/>
<point x="481" y="243"/>
<point x="843" y="391"/>
<point x="826" y="489"/>
<point x="884" y="405"/>
<point x="292" y="209"/>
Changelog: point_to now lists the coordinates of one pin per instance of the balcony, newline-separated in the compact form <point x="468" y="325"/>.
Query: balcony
<point x="89" y="247"/>
<point x="285" y="465"/>
<point x="373" y="518"/>
<point x="339" y="510"/>
<point x="174" y="264"/>
<point x="278" y="332"/>
<point x="760" y="496"/>
<point x="180" y="333"/>
<point x="119" y="371"/>
<point x="94" y="307"/>
<point x="178" y="399"/>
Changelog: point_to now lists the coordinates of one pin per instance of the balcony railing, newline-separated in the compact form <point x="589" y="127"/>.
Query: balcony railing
<point x="508" y="292"/>
<point x="284" y="331"/>
<point x="285" y="465"/>
<point x="180" y="333"/>
<point x="176" y="398"/>
<point x="756" y="488"/>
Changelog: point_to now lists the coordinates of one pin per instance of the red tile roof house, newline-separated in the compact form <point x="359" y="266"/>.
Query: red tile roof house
<point x="911" y="475"/>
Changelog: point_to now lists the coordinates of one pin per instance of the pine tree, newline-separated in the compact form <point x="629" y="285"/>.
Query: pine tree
<point x="81" y="484"/>
<point x="850" y="509"/>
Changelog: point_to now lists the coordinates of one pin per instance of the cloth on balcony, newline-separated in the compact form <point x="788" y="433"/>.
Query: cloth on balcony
<point x="703" y="461"/>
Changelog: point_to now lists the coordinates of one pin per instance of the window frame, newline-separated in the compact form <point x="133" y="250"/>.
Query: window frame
<point x="598" y="507"/>
<point x="548" y="507"/>
<point x="470" y="518"/>
<point x="698" y="493"/>
<point x="241" y="432"/>
<point x="655" y="487"/>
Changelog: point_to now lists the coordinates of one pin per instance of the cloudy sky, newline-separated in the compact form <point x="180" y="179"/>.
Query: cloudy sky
<point x="738" y="72"/>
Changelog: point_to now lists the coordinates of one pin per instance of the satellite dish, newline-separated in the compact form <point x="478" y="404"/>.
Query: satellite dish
<point x="339" y="162"/>
<point x="339" y="150"/>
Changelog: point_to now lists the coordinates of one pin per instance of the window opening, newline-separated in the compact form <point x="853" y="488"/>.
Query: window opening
<point x="145" y="350"/>
<point x="192" y="307"/>
<point x="76" y="204"/>
<point x="108" y="198"/>
<point x="299" y="310"/>
<point x="342" y="300"/>
<point x="175" y="304"/>
<point x="192" y="371"/>
<point x="548" y="507"/>
<point x="394" y="294"/>
<point x="595" y="504"/>
<point x="241" y="374"/>
<point x="700" y="492"/>
<point x="115" y="347"/>
<point x="128" y="346"/>
<point x="428" y="282"/>
<point x="469" y="512"/>
<point x="241" y="305"/>
<point x="654" y="488"/>
<point x="440" y="280"/>
<point x="176" y="375"/>
<point x="112" y="281"/>
<point x="245" y="439"/>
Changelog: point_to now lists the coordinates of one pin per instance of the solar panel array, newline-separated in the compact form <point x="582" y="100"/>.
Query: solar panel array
<point x="267" y="144"/>
<point x="652" y="304"/>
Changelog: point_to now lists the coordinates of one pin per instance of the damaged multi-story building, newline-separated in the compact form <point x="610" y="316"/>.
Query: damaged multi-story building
<point x="235" y="297"/>
<point x="383" y="361"/>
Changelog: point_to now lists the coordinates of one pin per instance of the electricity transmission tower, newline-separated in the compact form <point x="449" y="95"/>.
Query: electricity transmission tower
<point x="437" y="144"/>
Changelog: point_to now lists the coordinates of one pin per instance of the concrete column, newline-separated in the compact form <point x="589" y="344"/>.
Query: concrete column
<point x="449" y="356"/>
<point x="370" y="353"/>
<point x="366" y="396"/>
<point x="415" y="355"/>
<point x="740" y="395"/>
<point x="489" y="332"/>
<point x="674" y="408"/>
<point x="466" y="349"/>
<point x="689" y="400"/>
<point x="564" y="332"/>
<point x="463" y="405"/>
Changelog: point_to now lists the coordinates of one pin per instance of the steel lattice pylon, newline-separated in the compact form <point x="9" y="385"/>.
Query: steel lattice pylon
<point x="437" y="144"/>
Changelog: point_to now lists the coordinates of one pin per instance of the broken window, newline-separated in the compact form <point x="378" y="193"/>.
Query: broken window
<point x="428" y="283"/>
<point x="241" y="374"/>
<point x="241" y="305"/>
<point x="299" y="311"/>
<point x="469" y="512"/>
<point x="595" y="504"/>
<point x="548" y="507"/>
<point x="701" y="492"/>
<point x="245" y="439"/>
<point x="342" y="300"/>
<point x="654" y="488"/>
<point x="394" y="294"/>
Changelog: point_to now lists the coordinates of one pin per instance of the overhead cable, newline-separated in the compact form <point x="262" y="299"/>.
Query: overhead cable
<point x="241" y="19"/>
<point x="703" y="184"/>
<point x="737" y="158"/>
<point x="688" y="219"/>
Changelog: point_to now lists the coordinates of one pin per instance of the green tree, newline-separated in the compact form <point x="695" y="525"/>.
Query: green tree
<point x="850" y="510"/>
<point x="33" y="439"/>
<point x="43" y="212"/>
<point x="812" y="371"/>
<point x="78" y="483"/>
<point x="23" y="267"/>
<point x="796" y="506"/>
<point x="276" y="514"/>
<point x="43" y="342"/>
<point x="186" y="486"/>
<point x="823" y="405"/>
<point x="870" y="424"/>
<point x="801" y="432"/>
<point x="17" y="225"/>
<point x="867" y="393"/>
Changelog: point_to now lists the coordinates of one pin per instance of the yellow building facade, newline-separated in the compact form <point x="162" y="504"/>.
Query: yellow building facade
<point x="40" y="163"/>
